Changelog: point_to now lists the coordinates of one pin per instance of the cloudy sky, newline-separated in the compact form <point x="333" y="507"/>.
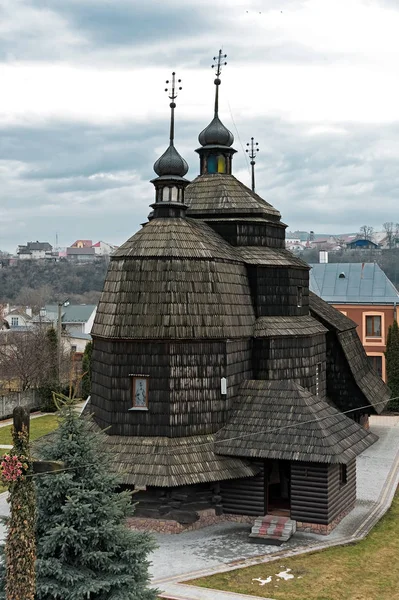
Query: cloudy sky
<point x="83" y="113"/>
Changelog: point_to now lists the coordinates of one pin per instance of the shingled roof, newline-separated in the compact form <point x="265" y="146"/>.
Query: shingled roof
<point x="375" y="391"/>
<point x="219" y="194"/>
<point x="280" y="419"/>
<point x="369" y="382"/>
<point x="274" y="257"/>
<point x="329" y="314"/>
<point x="170" y="462"/>
<point x="175" y="279"/>
<point x="287" y="326"/>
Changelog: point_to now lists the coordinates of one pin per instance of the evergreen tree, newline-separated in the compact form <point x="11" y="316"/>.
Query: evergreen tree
<point x="392" y="364"/>
<point x="86" y="368"/>
<point x="84" y="549"/>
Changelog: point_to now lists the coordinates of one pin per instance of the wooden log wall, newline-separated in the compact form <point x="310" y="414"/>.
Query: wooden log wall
<point x="293" y="358"/>
<point x="341" y="497"/>
<point x="247" y="233"/>
<point x="244" y="496"/>
<point x="184" y="385"/>
<point x="316" y="493"/>
<point x="275" y="290"/>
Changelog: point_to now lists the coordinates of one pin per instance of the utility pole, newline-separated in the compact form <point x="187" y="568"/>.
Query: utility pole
<point x="59" y="338"/>
<point x="252" y="150"/>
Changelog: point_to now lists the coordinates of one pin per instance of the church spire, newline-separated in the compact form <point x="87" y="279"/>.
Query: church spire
<point x="216" y="139"/>
<point x="170" y="167"/>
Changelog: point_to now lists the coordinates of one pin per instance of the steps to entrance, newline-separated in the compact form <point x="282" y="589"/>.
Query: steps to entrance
<point x="272" y="529"/>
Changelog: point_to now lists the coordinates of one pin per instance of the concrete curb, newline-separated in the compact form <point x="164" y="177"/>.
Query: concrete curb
<point x="175" y="588"/>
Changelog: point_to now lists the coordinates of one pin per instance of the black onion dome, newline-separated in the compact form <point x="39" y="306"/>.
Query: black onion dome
<point x="171" y="163"/>
<point x="216" y="134"/>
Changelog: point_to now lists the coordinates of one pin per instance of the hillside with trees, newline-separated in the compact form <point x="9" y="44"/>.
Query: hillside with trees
<point x="35" y="283"/>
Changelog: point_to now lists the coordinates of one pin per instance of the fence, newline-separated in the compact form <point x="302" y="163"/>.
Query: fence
<point x="28" y="399"/>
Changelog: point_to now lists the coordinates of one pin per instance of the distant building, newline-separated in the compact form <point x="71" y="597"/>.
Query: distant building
<point x="76" y="321"/>
<point x="82" y="244"/>
<point x="81" y="254"/>
<point x="18" y="317"/>
<point x="85" y="250"/>
<point x="362" y="292"/>
<point x="34" y="251"/>
<point x="362" y="244"/>
<point x="103" y="248"/>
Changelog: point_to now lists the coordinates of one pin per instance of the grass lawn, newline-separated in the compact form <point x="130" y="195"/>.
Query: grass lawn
<point x="368" y="570"/>
<point x="38" y="427"/>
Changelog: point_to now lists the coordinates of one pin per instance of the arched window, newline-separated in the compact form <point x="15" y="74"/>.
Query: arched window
<point x="221" y="164"/>
<point x="212" y="163"/>
<point x="174" y="194"/>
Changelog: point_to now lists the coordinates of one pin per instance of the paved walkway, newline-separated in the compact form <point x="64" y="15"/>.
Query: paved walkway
<point x="225" y="547"/>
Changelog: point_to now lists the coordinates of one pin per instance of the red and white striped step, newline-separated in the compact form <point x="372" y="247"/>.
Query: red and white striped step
<point x="271" y="529"/>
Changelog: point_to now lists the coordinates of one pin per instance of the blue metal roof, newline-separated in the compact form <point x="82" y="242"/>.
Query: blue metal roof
<point x="352" y="283"/>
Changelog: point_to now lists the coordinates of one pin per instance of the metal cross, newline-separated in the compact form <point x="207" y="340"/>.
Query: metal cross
<point x="252" y="151"/>
<point x="219" y="64"/>
<point x="172" y="93"/>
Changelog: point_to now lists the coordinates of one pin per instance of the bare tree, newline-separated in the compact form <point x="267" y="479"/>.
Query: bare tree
<point x="366" y="231"/>
<point x="35" y="298"/>
<point x="389" y="229"/>
<point x="28" y="359"/>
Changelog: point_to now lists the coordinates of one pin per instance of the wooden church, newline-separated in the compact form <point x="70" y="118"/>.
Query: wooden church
<point x="220" y="380"/>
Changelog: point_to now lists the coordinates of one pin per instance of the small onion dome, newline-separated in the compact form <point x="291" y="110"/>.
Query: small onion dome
<point x="216" y="134"/>
<point x="171" y="163"/>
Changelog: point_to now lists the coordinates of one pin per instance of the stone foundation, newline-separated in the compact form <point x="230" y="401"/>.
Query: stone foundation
<point x="323" y="529"/>
<point x="206" y="517"/>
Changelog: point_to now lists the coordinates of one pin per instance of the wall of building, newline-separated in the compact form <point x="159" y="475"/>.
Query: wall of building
<point x="247" y="233"/>
<point x="184" y="385"/>
<point x="292" y="357"/>
<point x="245" y="496"/>
<point x="374" y="346"/>
<point x="275" y="291"/>
<point x="318" y="495"/>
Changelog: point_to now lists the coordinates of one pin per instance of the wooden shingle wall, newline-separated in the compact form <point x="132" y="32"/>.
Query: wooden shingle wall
<point x="184" y="385"/>
<point x="251" y="232"/>
<point x="275" y="290"/>
<point x="293" y="358"/>
<point x="112" y="366"/>
<point x="196" y="403"/>
<point x="238" y="366"/>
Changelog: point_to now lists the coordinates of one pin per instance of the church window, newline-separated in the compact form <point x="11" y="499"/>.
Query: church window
<point x="165" y="194"/>
<point x="140" y="392"/>
<point x="174" y="194"/>
<point x="221" y="164"/>
<point x="212" y="164"/>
